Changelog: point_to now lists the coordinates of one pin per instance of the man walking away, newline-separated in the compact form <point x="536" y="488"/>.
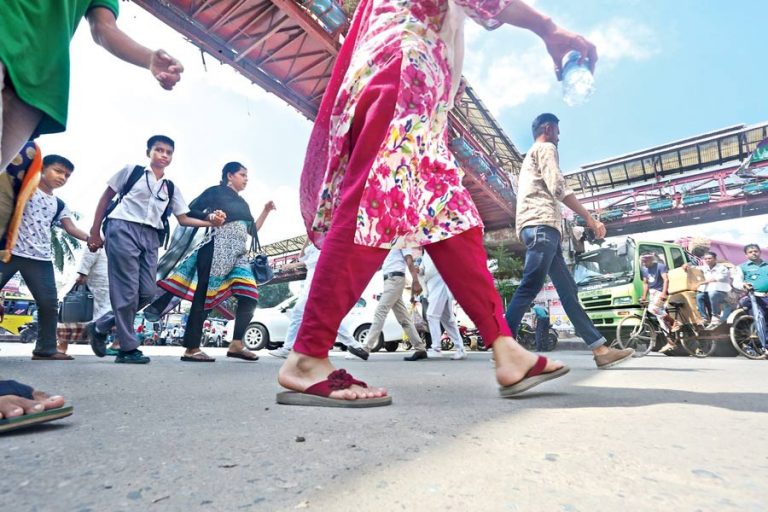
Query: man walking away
<point x="541" y="190"/>
<point x="393" y="268"/>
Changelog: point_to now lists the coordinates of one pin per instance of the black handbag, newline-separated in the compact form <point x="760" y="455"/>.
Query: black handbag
<point x="77" y="305"/>
<point x="262" y="272"/>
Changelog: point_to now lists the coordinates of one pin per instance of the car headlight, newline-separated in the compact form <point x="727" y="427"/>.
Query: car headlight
<point x="622" y="301"/>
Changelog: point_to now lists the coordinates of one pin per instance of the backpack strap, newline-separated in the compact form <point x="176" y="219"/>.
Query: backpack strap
<point x="135" y="176"/>
<point x="166" y="233"/>
<point x="59" y="209"/>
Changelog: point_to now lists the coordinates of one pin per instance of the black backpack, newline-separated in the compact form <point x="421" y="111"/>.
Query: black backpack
<point x="136" y="174"/>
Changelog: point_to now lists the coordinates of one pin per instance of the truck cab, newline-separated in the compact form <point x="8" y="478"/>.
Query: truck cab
<point x="609" y="279"/>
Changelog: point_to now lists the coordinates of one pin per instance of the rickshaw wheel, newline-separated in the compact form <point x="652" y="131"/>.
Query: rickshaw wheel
<point x="744" y="338"/>
<point x="698" y="347"/>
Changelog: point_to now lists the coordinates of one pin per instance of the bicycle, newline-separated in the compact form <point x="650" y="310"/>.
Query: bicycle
<point x="638" y="332"/>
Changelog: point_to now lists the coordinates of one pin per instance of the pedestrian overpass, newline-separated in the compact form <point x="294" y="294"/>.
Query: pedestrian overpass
<point x="288" y="47"/>
<point x="715" y="176"/>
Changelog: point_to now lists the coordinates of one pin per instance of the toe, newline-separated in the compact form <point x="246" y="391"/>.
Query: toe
<point x="48" y="402"/>
<point x="9" y="408"/>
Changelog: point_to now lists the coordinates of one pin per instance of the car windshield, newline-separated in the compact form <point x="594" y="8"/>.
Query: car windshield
<point x="604" y="265"/>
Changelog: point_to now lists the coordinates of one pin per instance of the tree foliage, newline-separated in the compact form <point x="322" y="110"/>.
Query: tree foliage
<point x="507" y="269"/>
<point x="508" y="266"/>
<point x="271" y="295"/>
<point x="349" y="6"/>
<point x="63" y="246"/>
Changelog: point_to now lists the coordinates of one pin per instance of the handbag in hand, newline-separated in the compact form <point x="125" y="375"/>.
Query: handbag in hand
<point x="77" y="305"/>
<point x="262" y="272"/>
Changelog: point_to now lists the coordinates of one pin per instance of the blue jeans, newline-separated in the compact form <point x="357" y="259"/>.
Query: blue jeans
<point x="715" y="302"/>
<point x="545" y="257"/>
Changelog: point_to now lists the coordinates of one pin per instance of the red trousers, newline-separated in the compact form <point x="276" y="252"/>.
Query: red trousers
<point x="345" y="268"/>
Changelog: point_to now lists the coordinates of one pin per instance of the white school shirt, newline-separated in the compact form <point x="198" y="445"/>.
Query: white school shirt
<point x="141" y="204"/>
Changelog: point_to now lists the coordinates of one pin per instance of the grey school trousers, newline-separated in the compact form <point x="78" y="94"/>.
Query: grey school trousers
<point x="132" y="255"/>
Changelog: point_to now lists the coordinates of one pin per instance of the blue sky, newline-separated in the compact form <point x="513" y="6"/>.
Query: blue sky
<point x="667" y="70"/>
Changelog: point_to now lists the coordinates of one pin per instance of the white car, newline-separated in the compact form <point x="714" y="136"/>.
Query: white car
<point x="269" y="325"/>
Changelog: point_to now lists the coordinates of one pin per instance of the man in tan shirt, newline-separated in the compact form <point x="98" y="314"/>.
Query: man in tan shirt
<point x="541" y="190"/>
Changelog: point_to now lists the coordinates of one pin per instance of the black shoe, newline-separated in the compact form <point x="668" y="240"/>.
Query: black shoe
<point x="359" y="352"/>
<point x="419" y="354"/>
<point x="132" y="357"/>
<point x="97" y="340"/>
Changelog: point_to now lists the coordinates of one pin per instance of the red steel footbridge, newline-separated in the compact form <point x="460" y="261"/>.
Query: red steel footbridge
<point x="288" y="47"/>
<point x="715" y="176"/>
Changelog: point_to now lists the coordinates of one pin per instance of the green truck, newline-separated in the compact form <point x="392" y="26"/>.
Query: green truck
<point x="609" y="280"/>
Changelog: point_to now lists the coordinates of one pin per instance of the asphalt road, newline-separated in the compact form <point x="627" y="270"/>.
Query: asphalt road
<point x="673" y="434"/>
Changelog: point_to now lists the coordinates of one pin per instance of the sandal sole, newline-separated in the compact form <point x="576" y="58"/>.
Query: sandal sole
<point x="197" y="360"/>
<point x="528" y="383"/>
<point x="296" y="398"/>
<point x="28" y="420"/>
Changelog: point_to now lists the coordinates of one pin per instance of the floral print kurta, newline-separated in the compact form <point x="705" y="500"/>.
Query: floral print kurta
<point x="413" y="194"/>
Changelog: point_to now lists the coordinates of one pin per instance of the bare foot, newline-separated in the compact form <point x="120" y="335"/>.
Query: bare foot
<point x="62" y="346"/>
<point x="12" y="406"/>
<point x="513" y="361"/>
<point x="301" y="371"/>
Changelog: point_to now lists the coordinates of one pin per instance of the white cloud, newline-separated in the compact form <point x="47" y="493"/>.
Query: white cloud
<point x="507" y="70"/>
<point x="622" y="38"/>
<point x="510" y="81"/>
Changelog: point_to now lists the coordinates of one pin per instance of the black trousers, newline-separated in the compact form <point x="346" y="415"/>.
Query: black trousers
<point x="197" y="313"/>
<point x="42" y="284"/>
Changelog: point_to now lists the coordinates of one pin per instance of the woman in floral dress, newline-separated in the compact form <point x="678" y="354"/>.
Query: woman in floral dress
<point x="378" y="175"/>
<point x="216" y="268"/>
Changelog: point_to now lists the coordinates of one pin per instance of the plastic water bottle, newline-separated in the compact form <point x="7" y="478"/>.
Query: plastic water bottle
<point x="578" y="82"/>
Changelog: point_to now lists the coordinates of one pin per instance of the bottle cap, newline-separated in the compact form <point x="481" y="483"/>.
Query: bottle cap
<point x="572" y="56"/>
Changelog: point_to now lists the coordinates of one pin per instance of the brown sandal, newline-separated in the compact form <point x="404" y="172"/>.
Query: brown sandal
<point x="58" y="356"/>
<point x="198" y="357"/>
<point x="243" y="354"/>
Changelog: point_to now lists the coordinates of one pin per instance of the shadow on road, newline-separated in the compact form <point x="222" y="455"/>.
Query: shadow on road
<point x="601" y="397"/>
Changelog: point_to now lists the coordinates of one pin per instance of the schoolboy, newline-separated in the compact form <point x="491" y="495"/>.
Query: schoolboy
<point x="132" y="242"/>
<point x="32" y="255"/>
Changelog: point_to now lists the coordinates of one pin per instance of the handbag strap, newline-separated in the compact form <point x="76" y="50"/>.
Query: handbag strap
<point x="255" y="245"/>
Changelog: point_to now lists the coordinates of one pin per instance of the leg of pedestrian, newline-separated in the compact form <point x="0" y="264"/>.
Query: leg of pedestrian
<point x="541" y="244"/>
<point x="193" y="332"/>
<point x="461" y="261"/>
<point x="605" y="356"/>
<point x="243" y="316"/>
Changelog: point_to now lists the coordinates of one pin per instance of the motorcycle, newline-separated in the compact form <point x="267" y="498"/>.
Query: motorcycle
<point x="28" y="332"/>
